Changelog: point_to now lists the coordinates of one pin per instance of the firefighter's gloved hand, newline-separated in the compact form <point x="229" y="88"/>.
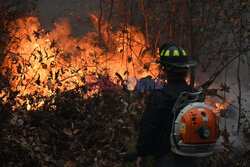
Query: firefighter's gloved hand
<point x="140" y="162"/>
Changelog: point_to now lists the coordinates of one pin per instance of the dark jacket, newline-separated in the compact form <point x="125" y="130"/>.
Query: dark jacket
<point x="156" y="122"/>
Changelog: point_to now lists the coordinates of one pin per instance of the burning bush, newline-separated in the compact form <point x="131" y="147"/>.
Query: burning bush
<point x="43" y="62"/>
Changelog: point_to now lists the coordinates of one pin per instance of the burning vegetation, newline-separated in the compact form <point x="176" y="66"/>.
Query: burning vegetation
<point x="40" y="62"/>
<point x="45" y="63"/>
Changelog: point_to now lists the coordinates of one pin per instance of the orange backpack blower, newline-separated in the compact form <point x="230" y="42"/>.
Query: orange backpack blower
<point x="195" y="127"/>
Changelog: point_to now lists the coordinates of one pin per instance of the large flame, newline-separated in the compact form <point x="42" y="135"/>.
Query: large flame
<point x="41" y="61"/>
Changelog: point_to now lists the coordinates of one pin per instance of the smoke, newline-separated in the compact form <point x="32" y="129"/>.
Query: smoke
<point x="77" y="11"/>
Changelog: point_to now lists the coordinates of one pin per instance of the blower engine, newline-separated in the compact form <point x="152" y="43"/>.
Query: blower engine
<point x="195" y="127"/>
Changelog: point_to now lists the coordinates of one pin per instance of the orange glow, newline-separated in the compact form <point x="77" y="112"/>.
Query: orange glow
<point x="216" y="104"/>
<point x="41" y="62"/>
<point x="196" y="84"/>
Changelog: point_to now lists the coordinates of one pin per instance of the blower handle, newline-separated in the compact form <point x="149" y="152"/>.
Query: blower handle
<point x="187" y="97"/>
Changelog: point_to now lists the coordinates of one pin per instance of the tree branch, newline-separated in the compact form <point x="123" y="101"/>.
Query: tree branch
<point x="217" y="73"/>
<point x="146" y="22"/>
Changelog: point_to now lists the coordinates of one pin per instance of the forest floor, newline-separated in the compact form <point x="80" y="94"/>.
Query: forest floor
<point x="74" y="132"/>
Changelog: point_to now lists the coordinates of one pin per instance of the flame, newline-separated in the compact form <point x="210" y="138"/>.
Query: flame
<point x="217" y="104"/>
<point x="188" y="79"/>
<point x="42" y="62"/>
<point x="217" y="107"/>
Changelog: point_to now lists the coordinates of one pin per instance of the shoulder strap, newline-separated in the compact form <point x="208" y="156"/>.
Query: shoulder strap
<point x="186" y="98"/>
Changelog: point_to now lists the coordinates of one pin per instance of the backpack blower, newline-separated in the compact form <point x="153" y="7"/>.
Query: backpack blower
<point x="195" y="127"/>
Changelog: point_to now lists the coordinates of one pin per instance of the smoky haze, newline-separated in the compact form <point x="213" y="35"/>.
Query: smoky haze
<point x="77" y="11"/>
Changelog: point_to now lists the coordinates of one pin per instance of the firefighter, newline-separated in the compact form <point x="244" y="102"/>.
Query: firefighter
<point x="156" y="122"/>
